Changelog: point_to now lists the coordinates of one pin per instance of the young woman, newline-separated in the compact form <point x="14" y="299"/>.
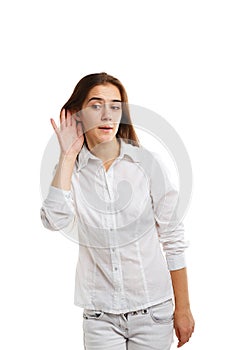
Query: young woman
<point x="114" y="197"/>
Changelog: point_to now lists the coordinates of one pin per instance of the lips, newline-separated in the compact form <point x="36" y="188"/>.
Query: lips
<point x="106" y="127"/>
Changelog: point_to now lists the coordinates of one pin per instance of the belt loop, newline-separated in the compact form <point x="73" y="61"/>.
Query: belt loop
<point x="145" y="311"/>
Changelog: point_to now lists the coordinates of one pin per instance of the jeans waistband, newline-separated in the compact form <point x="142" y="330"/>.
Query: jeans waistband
<point x="136" y="312"/>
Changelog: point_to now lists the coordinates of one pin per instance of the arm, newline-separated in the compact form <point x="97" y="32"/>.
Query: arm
<point x="171" y="235"/>
<point x="57" y="210"/>
<point x="64" y="170"/>
<point x="183" y="319"/>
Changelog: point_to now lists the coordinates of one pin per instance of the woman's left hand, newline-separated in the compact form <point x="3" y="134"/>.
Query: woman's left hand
<point x="184" y="326"/>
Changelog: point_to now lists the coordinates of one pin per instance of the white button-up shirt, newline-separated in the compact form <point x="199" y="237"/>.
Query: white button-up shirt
<point x="125" y="222"/>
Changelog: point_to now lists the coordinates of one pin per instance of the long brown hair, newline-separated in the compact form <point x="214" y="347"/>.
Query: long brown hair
<point x="81" y="90"/>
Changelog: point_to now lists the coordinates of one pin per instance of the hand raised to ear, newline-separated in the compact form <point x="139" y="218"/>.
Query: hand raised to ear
<point x="70" y="135"/>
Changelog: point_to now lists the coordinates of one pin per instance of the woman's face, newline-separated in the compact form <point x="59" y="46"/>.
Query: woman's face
<point x="101" y="114"/>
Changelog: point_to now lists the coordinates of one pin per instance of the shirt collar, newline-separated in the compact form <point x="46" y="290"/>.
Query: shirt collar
<point x="127" y="151"/>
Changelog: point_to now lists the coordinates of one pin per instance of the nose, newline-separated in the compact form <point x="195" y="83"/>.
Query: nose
<point x="106" y="115"/>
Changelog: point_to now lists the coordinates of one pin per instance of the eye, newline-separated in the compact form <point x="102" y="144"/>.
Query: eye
<point x="116" y="108"/>
<point x="96" y="107"/>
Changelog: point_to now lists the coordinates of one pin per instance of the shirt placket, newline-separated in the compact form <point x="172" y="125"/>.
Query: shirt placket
<point x="111" y="226"/>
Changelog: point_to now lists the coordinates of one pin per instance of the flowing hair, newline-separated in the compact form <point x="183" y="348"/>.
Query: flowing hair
<point x="75" y="103"/>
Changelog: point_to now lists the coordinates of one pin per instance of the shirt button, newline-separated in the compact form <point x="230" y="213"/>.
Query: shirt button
<point x="115" y="268"/>
<point x="111" y="229"/>
<point x="113" y="249"/>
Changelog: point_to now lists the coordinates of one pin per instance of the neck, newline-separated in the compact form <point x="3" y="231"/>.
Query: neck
<point x="106" y="151"/>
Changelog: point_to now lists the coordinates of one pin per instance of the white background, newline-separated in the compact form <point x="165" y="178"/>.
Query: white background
<point x="174" y="57"/>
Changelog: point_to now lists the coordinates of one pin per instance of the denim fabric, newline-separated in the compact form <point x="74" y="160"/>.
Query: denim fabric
<point x="150" y="328"/>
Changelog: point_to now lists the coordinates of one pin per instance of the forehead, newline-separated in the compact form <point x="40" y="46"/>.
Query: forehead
<point x="106" y="92"/>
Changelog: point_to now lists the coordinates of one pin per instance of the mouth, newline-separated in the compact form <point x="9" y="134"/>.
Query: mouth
<point x="105" y="127"/>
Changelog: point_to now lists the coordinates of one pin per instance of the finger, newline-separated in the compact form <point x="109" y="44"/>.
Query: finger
<point x="181" y="343"/>
<point x="63" y="118"/>
<point x="54" y="125"/>
<point x="68" y="118"/>
<point x="79" y="129"/>
<point x="180" y="337"/>
<point x="184" y="339"/>
<point x="177" y="332"/>
<point x="190" y="334"/>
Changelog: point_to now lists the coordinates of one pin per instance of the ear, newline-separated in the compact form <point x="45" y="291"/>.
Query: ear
<point x="77" y="117"/>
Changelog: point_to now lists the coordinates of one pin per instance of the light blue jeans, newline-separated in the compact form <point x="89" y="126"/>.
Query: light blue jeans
<point x="150" y="328"/>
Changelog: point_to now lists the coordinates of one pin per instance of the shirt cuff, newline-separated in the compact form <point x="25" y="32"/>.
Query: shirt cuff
<point x="176" y="262"/>
<point x="57" y="194"/>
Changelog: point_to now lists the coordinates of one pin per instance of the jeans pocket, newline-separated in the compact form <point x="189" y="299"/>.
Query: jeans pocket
<point x="162" y="313"/>
<point x="92" y="314"/>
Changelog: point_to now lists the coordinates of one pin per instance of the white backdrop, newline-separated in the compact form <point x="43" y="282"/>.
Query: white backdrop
<point x="174" y="57"/>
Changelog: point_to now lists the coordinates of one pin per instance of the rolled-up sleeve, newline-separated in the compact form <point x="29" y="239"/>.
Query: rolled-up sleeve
<point x="57" y="211"/>
<point x="170" y="228"/>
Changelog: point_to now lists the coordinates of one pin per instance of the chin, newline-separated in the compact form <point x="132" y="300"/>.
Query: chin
<point x="106" y="137"/>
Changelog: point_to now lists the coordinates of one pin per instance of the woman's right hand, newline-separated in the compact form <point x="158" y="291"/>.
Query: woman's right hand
<point x="70" y="135"/>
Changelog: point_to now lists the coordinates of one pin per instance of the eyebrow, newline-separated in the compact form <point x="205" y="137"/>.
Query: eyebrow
<point x="101" y="99"/>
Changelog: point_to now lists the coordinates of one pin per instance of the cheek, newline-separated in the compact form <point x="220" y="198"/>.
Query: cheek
<point x="117" y="118"/>
<point x="89" y="122"/>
